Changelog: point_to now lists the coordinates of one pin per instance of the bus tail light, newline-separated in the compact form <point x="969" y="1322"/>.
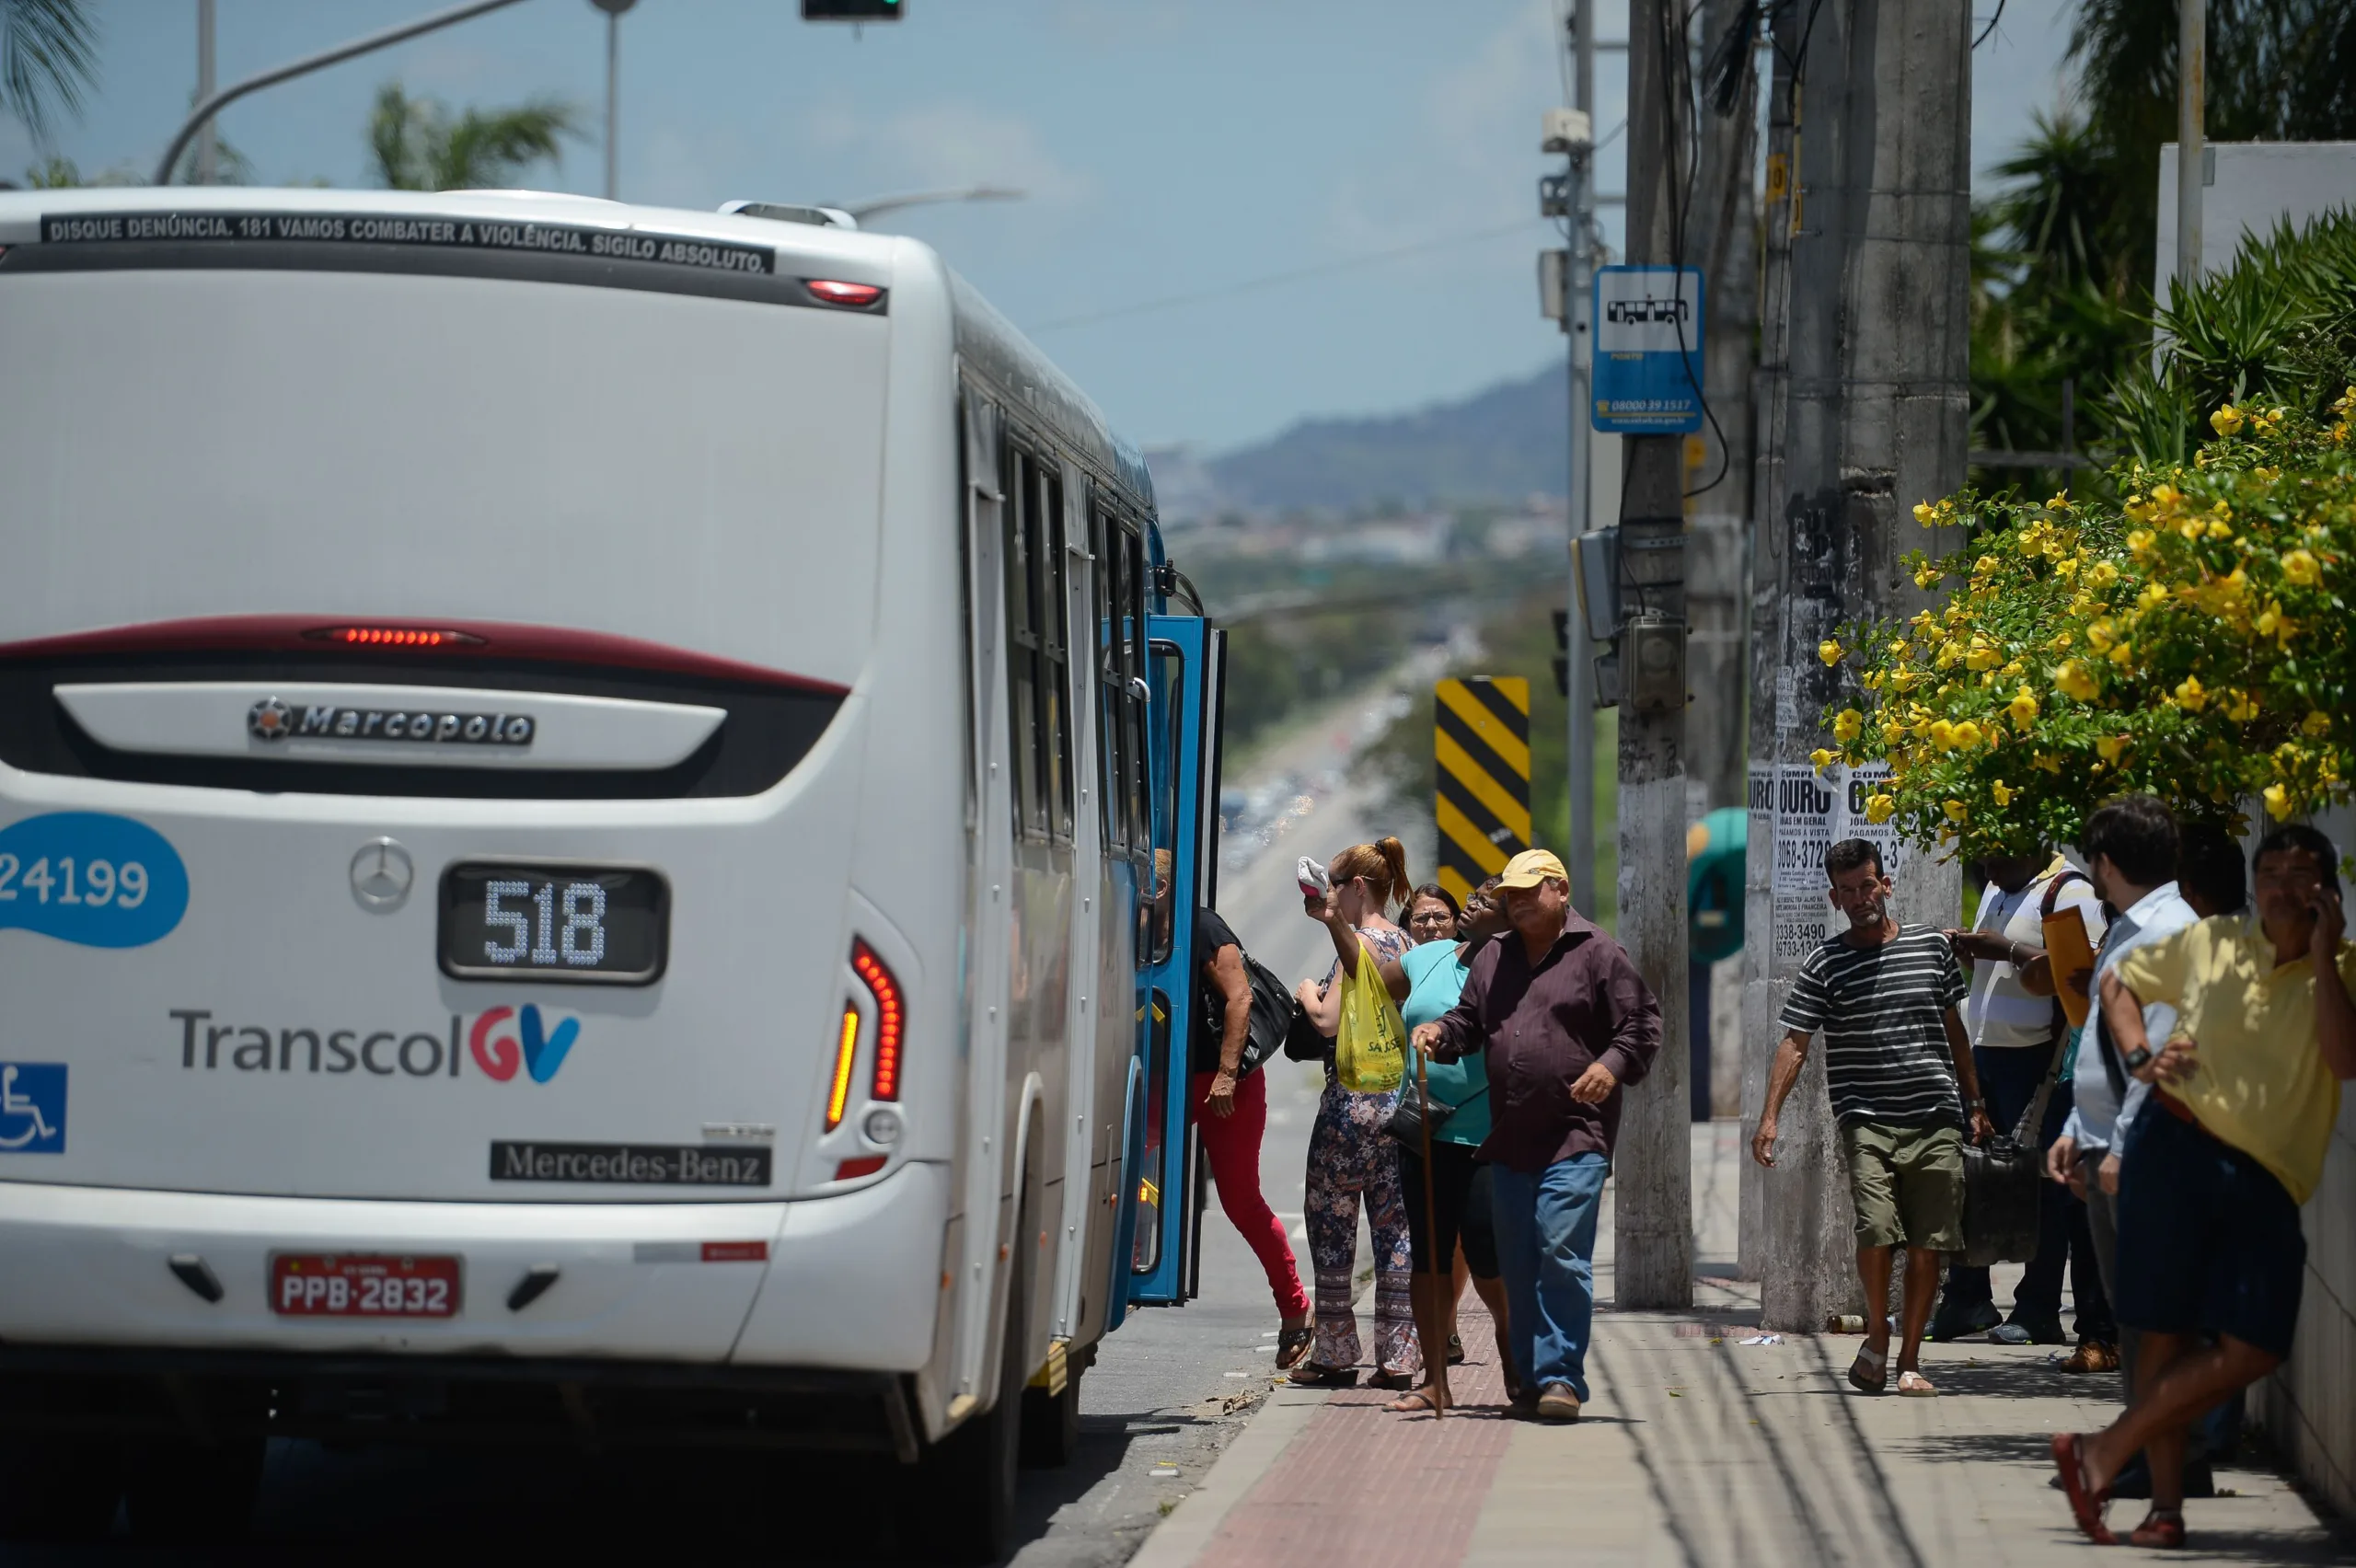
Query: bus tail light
<point x="890" y="1023"/>
<point x="846" y="1048"/>
<point x="854" y="296"/>
<point x="394" y="636"/>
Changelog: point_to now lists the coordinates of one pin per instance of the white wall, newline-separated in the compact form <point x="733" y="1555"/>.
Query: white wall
<point x="2310" y="1405"/>
<point x="2254" y="186"/>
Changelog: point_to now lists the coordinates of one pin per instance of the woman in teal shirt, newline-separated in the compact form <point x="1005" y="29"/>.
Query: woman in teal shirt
<point x="1427" y="982"/>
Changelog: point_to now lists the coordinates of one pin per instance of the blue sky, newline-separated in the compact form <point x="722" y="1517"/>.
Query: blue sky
<point x="1168" y="148"/>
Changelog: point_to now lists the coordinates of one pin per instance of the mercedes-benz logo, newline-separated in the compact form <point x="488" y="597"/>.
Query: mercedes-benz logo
<point x="381" y="874"/>
<point x="269" y="720"/>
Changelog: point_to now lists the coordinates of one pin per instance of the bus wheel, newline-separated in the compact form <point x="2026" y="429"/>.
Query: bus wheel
<point x="55" y="1489"/>
<point x="194" y="1493"/>
<point x="964" y="1484"/>
<point x="1051" y="1425"/>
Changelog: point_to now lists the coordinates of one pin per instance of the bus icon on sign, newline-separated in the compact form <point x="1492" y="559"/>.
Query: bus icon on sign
<point x="1670" y="312"/>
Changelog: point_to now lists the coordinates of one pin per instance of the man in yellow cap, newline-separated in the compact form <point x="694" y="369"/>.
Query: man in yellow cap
<point x="1565" y="1021"/>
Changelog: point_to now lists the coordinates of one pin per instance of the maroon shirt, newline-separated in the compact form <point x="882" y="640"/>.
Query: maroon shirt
<point x="1542" y="1025"/>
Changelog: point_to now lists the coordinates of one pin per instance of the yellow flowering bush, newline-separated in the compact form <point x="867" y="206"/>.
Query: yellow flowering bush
<point x="2192" y="640"/>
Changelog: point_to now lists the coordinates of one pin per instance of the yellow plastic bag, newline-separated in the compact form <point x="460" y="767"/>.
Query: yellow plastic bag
<point x="1370" y="1051"/>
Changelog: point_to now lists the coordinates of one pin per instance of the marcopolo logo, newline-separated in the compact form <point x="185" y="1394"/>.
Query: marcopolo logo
<point x="207" y="1047"/>
<point x="270" y="719"/>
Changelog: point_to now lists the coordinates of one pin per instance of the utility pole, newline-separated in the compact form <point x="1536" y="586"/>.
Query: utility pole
<point x="207" y="143"/>
<point x="1653" y="1161"/>
<point x="1875" y="415"/>
<point x="1578" y="651"/>
<point x="1767" y="587"/>
<point x="2191" y="132"/>
<point x="1722" y="240"/>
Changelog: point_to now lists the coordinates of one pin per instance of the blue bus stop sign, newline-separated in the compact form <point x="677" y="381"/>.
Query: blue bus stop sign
<point x="1647" y="349"/>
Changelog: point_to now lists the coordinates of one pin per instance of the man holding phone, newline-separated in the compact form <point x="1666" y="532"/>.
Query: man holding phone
<point x="2219" y="1161"/>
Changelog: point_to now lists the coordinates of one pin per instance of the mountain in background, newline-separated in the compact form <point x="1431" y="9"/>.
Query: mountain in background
<point x="1503" y="444"/>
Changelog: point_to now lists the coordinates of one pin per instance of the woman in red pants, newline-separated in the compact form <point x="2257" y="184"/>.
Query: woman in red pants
<point x="1230" y="1107"/>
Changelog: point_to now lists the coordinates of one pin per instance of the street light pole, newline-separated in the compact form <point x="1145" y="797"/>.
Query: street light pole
<point x="876" y="206"/>
<point x="207" y="141"/>
<point x="613" y="9"/>
<point x="213" y="104"/>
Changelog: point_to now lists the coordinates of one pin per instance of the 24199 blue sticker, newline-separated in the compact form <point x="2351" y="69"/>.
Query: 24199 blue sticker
<point x="91" y="878"/>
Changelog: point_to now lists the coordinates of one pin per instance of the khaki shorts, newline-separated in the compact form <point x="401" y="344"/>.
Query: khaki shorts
<point x="1907" y="1185"/>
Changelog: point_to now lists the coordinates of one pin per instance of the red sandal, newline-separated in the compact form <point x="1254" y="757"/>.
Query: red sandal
<point x="2084" y="1503"/>
<point x="2165" y="1530"/>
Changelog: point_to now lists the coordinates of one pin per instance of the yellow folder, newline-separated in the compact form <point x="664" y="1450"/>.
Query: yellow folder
<point x="2066" y="945"/>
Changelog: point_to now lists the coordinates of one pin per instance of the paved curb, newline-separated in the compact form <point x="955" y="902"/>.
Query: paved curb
<point x="1181" y="1537"/>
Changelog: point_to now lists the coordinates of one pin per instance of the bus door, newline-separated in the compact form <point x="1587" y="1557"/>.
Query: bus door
<point x="1184" y="670"/>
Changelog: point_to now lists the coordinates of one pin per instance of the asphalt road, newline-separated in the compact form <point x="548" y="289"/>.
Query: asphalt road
<point x="1169" y="1389"/>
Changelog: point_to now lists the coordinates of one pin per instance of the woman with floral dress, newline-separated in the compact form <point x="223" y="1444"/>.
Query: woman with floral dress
<point x="1349" y="1156"/>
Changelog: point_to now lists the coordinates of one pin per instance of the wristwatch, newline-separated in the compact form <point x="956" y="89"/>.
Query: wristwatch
<point x="2138" y="1059"/>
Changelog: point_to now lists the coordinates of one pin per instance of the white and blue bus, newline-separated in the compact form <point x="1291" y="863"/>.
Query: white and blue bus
<point x="578" y="789"/>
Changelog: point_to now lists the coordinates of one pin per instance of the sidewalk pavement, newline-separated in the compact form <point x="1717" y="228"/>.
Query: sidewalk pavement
<point x="1696" y="1449"/>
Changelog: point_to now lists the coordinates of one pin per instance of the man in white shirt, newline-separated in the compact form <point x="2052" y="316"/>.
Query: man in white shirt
<point x="2016" y="1026"/>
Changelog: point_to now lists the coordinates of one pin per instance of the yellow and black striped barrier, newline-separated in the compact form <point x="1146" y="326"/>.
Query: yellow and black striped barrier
<point x="1480" y="735"/>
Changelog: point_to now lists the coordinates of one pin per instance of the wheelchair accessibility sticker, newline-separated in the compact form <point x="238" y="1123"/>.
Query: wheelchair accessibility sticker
<point x="90" y="879"/>
<point x="32" y="1108"/>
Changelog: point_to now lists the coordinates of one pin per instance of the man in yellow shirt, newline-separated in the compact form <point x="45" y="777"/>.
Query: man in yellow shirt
<point x="2218" y="1164"/>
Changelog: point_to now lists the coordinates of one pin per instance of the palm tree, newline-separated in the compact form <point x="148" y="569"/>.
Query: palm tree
<point x="49" y="53"/>
<point x="416" y="145"/>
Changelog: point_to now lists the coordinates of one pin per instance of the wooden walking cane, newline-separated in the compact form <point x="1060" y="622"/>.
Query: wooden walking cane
<point x="1439" y="1370"/>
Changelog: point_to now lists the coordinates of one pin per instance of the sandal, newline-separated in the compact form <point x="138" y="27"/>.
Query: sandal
<point x="1293" y="1343"/>
<point x="1455" y="1351"/>
<point x="2162" y="1529"/>
<point x="1869" y="1374"/>
<point x="1412" y="1401"/>
<point x="1914" y="1386"/>
<point x="1386" y="1378"/>
<point x="1309" y="1374"/>
<point x="2085" y="1503"/>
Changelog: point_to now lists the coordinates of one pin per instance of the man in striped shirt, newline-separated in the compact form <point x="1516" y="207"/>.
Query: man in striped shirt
<point x="1895" y="1052"/>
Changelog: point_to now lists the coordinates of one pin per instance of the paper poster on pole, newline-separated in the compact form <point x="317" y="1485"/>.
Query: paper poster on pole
<point x="1811" y="815"/>
<point x="1647" y="349"/>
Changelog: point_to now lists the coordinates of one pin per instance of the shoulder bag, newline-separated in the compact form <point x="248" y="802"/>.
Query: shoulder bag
<point x="1416" y="1110"/>
<point x="2001" y="1179"/>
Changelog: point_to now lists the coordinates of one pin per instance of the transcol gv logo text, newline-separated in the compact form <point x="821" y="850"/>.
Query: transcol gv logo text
<point x="501" y="1041"/>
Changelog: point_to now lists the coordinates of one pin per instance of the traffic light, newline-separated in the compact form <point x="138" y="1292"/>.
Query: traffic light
<point x="852" y="10"/>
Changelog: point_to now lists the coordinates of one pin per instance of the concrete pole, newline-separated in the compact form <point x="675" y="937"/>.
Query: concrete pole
<point x="1780" y="217"/>
<point x="208" y="144"/>
<point x="1653" y="1162"/>
<point x="1875" y="417"/>
<point x="2191" y="132"/>
<point x="1579" y="653"/>
<point x="1723" y="241"/>
<point x="613" y="104"/>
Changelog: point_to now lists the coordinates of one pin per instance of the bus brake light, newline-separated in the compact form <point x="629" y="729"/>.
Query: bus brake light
<point x="889" y="1021"/>
<point x="394" y="636"/>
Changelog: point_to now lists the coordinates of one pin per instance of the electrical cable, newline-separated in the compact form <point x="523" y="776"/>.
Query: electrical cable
<point x="1243" y="285"/>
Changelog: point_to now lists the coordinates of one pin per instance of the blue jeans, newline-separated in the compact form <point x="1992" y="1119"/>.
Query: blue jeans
<point x="1545" y="1226"/>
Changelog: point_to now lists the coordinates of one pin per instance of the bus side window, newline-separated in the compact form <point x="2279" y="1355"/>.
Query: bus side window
<point x="1050" y="562"/>
<point x="1168" y="682"/>
<point x="1133" y="667"/>
<point x="1112" y="729"/>
<point x="1022" y="649"/>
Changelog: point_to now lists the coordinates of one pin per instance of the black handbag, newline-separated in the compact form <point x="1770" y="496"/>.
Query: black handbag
<point x="1272" y="1009"/>
<point x="1303" y="1041"/>
<point x="1416" y="1109"/>
<point x="2004" y="1179"/>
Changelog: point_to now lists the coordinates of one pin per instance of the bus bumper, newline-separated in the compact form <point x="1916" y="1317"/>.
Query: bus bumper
<point x="719" y="1308"/>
